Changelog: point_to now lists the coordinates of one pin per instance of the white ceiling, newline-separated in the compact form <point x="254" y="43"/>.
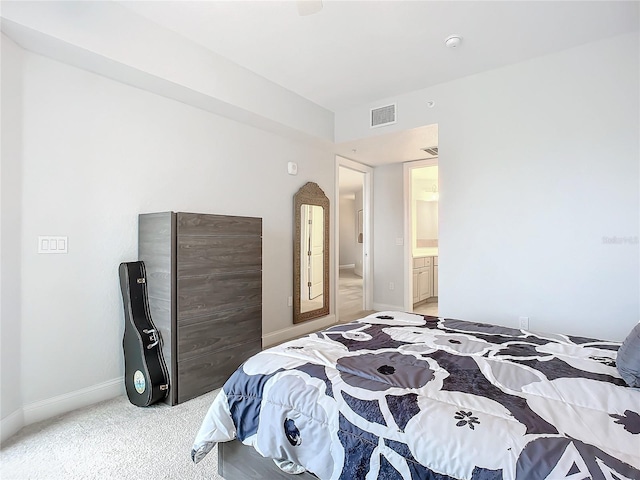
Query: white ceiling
<point x="355" y="52"/>
<point x="405" y="146"/>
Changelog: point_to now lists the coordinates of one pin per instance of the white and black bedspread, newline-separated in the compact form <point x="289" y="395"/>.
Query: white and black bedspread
<point x="398" y="395"/>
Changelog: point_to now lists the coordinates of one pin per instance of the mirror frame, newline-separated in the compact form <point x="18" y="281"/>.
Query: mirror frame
<point x="310" y="194"/>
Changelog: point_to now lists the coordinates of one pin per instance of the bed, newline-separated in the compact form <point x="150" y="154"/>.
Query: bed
<point x="406" y="396"/>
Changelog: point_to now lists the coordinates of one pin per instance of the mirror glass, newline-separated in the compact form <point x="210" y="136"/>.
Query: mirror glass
<point x="311" y="254"/>
<point x="311" y="262"/>
<point x="425" y="198"/>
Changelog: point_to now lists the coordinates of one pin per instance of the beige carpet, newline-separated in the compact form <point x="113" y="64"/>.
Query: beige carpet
<point x="112" y="440"/>
<point x="117" y="440"/>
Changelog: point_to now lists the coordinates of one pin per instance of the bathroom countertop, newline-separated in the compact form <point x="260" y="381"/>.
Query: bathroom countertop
<point x="425" y="252"/>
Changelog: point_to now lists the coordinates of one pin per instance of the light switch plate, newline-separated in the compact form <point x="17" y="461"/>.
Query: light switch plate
<point x="49" y="244"/>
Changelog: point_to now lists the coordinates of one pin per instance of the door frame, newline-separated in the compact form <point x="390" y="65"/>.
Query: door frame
<point x="408" y="234"/>
<point x="367" y="230"/>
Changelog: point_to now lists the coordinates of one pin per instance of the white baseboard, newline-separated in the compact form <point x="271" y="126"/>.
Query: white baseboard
<point x="38" y="411"/>
<point x="382" y="307"/>
<point x="11" y="424"/>
<point x="350" y="265"/>
<point x="285" y="334"/>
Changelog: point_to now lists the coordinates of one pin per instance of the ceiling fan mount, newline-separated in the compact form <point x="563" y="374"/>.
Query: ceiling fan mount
<point x="308" y="7"/>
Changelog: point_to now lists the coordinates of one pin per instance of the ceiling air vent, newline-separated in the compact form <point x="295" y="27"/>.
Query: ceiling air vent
<point x="382" y="116"/>
<point x="433" y="151"/>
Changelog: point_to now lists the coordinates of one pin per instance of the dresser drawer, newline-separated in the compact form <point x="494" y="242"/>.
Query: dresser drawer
<point x="209" y="294"/>
<point x="202" y="374"/>
<point x="217" y="225"/>
<point x="203" y="255"/>
<point x="201" y="335"/>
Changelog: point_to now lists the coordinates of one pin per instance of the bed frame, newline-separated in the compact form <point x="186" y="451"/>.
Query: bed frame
<point x="240" y="462"/>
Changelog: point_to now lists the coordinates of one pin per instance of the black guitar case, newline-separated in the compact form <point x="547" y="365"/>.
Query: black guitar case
<point x="146" y="377"/>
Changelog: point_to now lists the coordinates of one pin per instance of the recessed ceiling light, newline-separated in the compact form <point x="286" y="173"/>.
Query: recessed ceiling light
<point x="453" y="41"/>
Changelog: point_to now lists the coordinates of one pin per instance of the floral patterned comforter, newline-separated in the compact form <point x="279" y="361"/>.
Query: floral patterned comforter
<point x="398" y="395"/>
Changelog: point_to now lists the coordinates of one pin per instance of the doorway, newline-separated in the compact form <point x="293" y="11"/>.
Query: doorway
<point x="353" y="226"/>
<point x="421" y="229"/>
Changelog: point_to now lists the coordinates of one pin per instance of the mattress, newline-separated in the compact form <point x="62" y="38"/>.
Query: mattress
<point x="406" y="396"/>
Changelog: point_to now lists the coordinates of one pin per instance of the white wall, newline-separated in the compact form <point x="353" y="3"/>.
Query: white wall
<point x="387" y="227"/>
<point x="539" y="161"/>
<point x="426" y="220"/>
<point x="96" y="154"/>
<point x="347" y="230"/>
<point x="10" y="207"/>
<point x="110" y="39"/>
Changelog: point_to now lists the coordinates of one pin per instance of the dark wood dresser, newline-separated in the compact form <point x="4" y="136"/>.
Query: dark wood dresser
<point x="204" y="279"/>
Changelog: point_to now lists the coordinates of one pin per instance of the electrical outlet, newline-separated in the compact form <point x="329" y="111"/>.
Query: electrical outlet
<point x="391" y="286"/>
<point x="524" y="323"/>
<point x="290" y="302"/>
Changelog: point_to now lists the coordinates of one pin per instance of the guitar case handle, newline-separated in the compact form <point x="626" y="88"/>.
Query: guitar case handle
<point x="153" y="337"/>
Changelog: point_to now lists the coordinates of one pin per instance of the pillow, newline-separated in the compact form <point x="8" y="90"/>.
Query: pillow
<point x="628" y="361"/>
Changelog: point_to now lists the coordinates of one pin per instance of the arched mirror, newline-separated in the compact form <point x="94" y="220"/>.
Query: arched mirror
<point x="310" y="254"/>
